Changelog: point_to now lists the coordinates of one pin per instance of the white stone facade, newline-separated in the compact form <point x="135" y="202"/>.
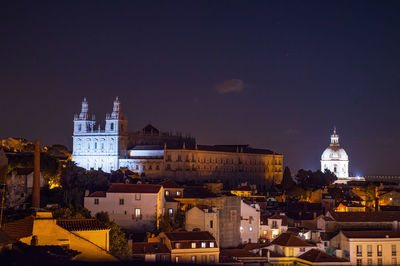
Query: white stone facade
<point x="249" y="222"/>
<point x="97" y="148"/>
<point x="335" y="158"/>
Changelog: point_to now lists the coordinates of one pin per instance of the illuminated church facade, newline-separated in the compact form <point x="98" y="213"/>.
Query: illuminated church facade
<point x="153" y="153"/>
<point x="335" y="159"/>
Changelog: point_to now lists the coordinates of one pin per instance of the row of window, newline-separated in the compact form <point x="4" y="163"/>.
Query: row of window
<point x="359" y="250"/>
<point x="194" y="259"/>
<point x="225" y="169"/>
<point x="96" y="145"/>
<point x="196" y="245"/>
<point x="378" y="262"/>
<point x="221" y="161"/>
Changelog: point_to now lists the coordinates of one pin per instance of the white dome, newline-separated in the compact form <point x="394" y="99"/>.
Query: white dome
<point x="334" y="153"/>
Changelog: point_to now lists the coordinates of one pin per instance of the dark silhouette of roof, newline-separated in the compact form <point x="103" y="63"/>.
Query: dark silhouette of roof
<point x="169" y="183"/>
<point x="197" y="192"/>
<point x="19" y="228"/>
<point x="150" y="129"/>
<point x="290" y="240"/>
<point x="81" y="224"/>
<point x="133" y="188"/>
<point x="316" y="255"/>
<point x="140" y="248"/>
<point x="190" y="236"/>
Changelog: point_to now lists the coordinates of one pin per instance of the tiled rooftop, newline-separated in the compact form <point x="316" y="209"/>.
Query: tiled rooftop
<point x="134" y="188"/>
<point x="290" y="240"/>
<point x="81" y="224"/>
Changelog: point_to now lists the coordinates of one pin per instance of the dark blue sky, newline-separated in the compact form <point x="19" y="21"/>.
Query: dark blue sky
<point x="300" y="67"/>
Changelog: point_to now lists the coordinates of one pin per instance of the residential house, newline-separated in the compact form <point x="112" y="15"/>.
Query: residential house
<point x="289" y="245"/>
<point x="249" y="222"/>
<point x="171" y="191"/>
<point x="228" y="213"/>
<point x="203" y="218"/>
<point x="19" y="187"/>
<point x="374" y="220"/>
<point x="272" y="226"/>
<point x="367" y="247"/>
<point x="132" y="206"/>
<point x="191" y="247"/>
<point x="151" y="252"/>
<point x="87" y="236"/>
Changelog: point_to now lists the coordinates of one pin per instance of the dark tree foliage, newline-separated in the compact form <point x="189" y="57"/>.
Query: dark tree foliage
<point x="49" y="165"/>
<point x="76" y="180"/>
<point x="308" y="179"/>
<point x="287" y="180"/>
<point x="71" y="212"/>
<point x="118" y="243"/>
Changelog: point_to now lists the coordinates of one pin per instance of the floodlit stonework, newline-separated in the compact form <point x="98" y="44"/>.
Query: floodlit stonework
<point x="153" y="153"/>
<point x="335" y="158"/>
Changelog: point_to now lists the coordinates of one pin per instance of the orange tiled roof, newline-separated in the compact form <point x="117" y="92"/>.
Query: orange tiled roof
<point x="385" y="216"/>
<point x="316" y="255"/>
<point x="98" y="194"/>
<point x="290" y="240"/>
<point x="133" y="188"/>
<point x="372" y="234"/>
<point x="20" y="228"/>
<point x="81" y="224"/>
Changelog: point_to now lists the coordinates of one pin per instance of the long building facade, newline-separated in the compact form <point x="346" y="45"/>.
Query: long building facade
<point x="153" y="153"/>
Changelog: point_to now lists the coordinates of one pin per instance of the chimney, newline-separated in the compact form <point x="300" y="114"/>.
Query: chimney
<point x="36" y="177"/>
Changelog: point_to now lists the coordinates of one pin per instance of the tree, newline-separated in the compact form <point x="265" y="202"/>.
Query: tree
<point x="287" y="180"/>
<point x="76" y="180"/>
<point x="118" y="243"/>
<point x="71" y="212"/>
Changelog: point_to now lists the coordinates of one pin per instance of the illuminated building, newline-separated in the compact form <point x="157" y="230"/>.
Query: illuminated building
<point x="87" y="236"/>
<point x="335" y="158"/>
<point x="131" y="206"/>
<point x="153" y="153"/>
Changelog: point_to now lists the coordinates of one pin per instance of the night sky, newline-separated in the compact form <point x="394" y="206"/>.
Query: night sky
<point x="277" y="75"/>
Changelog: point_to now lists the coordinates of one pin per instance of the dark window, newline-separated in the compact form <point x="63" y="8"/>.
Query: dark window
<point x="211" y="224"/>
<point x="112" y="126"/>
<point x="96" y="201"/>
<point x="121" y="201"/>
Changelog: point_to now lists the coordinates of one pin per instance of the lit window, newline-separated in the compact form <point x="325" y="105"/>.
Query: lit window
<point x="166" y="193"/>
<point x="193" y="245"/>
<point x="177" y="245"/>
<point x="96" y="201"/>
<point x="138" y="196"/>
<point x="203" y="244"/>
<point x="121" y="201"/>
<point x="265" y="232"/>
<point x="171" y="212"/>
<point x="138" y="213"/>
<point x="379" y="250"/>
<point x="211" y="244"/>
<point x="251" y="228"/>
<point x="241" y="228"/>
<point x="177" y="259"/>
<point x="178" y="193"/>
<point x="193" y="259"/>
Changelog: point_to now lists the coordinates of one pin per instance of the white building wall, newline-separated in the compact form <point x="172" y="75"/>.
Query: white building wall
<point x="250" y="223"/>
<point x="125" y="215"/>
